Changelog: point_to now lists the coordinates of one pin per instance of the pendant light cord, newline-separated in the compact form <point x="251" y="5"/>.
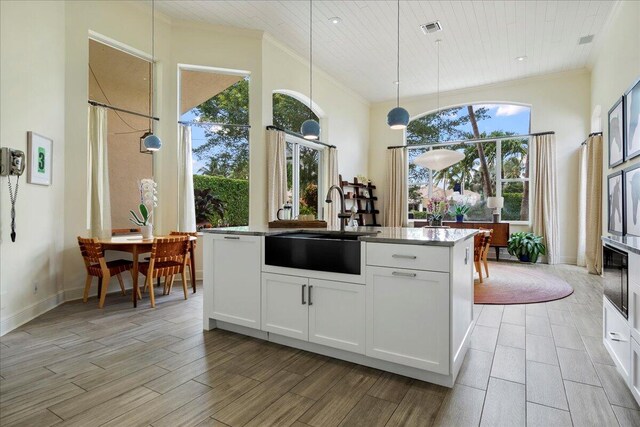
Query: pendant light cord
<point x="398" y="61"/>
<point x="310" y="59"/>
<point x="438" y="89"/>
<point x="153" y="55"/>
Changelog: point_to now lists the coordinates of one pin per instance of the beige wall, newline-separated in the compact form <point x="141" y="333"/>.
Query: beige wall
<point x="616" y="67"/>
<point x="32" y="73"/>
<point x="559" y="102"/>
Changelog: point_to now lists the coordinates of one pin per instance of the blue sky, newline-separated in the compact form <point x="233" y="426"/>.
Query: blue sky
<point x="506" y="117"/>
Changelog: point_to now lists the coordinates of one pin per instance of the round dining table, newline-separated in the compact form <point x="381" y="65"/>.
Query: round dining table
<point x="136" y="245"/>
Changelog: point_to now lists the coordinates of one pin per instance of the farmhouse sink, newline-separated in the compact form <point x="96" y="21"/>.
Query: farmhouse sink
<point x="334" y="252"/>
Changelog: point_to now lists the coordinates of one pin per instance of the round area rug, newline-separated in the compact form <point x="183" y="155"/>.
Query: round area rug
<point x="511" y="283"/>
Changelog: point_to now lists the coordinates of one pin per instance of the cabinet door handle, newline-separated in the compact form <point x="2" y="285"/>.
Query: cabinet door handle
<point x="303" y="301"/>
<point x="615" y="337"/>
<point x="232" y="237"/>
<point x="403" y="274"/>
<point x="466" y="255"/>
<point x="310" y="287"/>
<point x="404" y="256"/>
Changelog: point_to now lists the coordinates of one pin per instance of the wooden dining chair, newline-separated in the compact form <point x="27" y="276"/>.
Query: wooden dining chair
<point x="97" y="266"/>
<point x="481" y="244"/>
<point x="168" y="258"/>
<point x="485" y="250"/>
<point x="191" y="262"/>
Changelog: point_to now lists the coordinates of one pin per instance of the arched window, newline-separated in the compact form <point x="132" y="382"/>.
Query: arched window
<point x="304" y="158"/>
<point x="498" y="166"/>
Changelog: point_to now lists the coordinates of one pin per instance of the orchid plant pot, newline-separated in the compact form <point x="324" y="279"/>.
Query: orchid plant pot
<point x="459" y="218"/>
<point x="147" y="231"/>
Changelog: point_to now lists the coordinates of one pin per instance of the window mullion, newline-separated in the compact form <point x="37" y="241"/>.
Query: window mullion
<point x="296" y="180"/>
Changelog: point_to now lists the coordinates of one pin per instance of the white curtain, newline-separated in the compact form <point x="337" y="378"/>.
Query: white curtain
<point x="593" y="251"/>
<point x="186" y="203"/>
<point x="333" y="178"/>
<point x="99" y="161"/>
<point x="276" y="172"/>
<point x="396" y="203"/>
<point x="582" y="206"/>
<point x="545" y="198"/>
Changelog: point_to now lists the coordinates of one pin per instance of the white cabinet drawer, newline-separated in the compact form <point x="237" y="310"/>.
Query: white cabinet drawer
<point x="634" y="379"/>
<point x="634" y="268"/>
<point x="634" y="310"/>
<point x="414" y="257"/>
<point x="617" y="337"/>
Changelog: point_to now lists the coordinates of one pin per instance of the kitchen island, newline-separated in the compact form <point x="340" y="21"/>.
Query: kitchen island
<point x="395" y="299"/>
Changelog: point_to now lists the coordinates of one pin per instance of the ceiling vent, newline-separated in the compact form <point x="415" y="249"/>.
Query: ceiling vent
<point x="431" y="27"/>
<point x="586" y="39"/>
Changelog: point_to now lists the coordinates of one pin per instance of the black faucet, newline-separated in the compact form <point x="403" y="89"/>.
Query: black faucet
<point x="343" y="216"/>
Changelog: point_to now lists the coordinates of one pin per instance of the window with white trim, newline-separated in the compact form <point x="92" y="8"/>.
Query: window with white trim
<point x="497" y="164"/>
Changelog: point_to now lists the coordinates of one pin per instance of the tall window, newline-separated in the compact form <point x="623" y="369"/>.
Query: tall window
<point x="216" y="106"/>
<point x="498" y="166"/>
<point x="120" y="79"/>
<point x="304" y="158"/>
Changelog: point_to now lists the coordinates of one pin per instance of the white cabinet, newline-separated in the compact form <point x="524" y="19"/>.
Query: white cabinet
<point x="617" y="337"/>
<point x="337" y="314"/>
<point x="236" y="279"/>
<point x="416" y="257"/>
<point x="320" y="311"/>
<point x="408" y="317"/>
<point x="284" y="305"/>
<point x="634" y="379"/>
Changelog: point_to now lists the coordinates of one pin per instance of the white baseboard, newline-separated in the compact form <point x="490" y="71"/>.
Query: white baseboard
<point x="31" y="312"/>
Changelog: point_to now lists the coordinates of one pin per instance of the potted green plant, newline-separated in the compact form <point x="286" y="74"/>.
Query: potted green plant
<point x="526" y="246"/>
<point x="460" y="210"/>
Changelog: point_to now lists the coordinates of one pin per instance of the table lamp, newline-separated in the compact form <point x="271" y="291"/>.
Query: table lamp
<point x="495" y="203"/>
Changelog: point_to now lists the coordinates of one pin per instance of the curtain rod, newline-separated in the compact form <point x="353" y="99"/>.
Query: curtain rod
<point x="99" y="104"/>
<point x="592" y="134"/>
<point x="288" y="132"/>
<point x="213" y="124"/>
<point x="468" y="141"/>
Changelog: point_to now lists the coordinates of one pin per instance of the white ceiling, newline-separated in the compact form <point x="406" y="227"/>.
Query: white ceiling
<point x="480" y="40"/>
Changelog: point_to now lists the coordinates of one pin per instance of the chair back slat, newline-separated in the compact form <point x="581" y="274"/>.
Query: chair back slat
<point x="91" y="250"/>
<point x="186" y="233"/>
<point x="481" y="243"/>
<point x="169" y="249"/>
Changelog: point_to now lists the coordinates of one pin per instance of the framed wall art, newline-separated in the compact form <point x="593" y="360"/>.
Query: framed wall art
<point x="616" y="133"/>
<point x="632" y="200"/>
<point x="615" y="190"/>
<point x="632" y="121"/>
<point x="39" y="159"/>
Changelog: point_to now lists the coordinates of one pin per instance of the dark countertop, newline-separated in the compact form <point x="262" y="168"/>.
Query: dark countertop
<point x="629" y="243"/>
<point x="397" y="235"/>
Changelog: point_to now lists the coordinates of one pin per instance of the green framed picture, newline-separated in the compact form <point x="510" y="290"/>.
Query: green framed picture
<point x="39" y="159"/>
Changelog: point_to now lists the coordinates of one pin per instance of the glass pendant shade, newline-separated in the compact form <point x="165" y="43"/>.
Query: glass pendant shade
<point x="310" y="129"/>
<point x="398" y="118"/>
<point x="152" y="142"/>
<point x="438" y="159"/>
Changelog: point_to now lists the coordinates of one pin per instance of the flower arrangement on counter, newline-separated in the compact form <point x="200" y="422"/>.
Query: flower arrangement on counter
<point x="436" y="208"/>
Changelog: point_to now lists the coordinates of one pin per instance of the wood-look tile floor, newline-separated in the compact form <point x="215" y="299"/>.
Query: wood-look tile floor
<point x="536" y="365"/>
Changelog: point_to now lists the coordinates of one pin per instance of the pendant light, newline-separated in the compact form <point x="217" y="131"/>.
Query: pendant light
<point x="398" y="117"/>
<point x="442" y="158"/>
<point x="150" y="141"/>
<point x="310" y="128"/>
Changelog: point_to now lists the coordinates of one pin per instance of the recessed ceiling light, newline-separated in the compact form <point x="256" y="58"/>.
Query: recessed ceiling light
<point x="521" y="58"/>
<point x="335" y="20"/>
